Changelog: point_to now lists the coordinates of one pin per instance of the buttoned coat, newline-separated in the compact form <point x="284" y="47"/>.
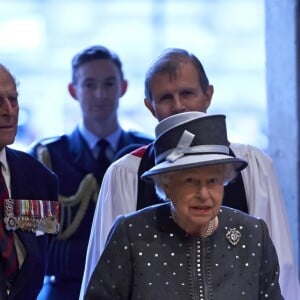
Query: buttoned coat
<point x="148" y="256"/>
<point x="30" y="180"/>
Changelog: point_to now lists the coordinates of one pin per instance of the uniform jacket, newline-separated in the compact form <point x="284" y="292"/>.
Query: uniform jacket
<point x="30" y="180"/>
<point x="79" y="179"/>
<point x="148" y="256"/>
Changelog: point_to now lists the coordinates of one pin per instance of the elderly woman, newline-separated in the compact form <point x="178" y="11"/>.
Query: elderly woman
<point x="190" y="247"/>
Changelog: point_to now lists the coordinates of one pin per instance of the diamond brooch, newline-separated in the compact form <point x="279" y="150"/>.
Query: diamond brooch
<point x="233" y="236"/>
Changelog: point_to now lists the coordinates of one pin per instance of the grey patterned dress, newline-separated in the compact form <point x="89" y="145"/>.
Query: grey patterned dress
<point x="148" y="256"/>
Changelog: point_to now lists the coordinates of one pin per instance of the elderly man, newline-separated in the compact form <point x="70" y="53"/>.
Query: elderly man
<point x="27" y="214"/>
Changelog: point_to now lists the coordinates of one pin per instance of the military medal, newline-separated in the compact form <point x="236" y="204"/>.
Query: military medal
<point x="32" y="215"/>
<point x="9" y="218"/>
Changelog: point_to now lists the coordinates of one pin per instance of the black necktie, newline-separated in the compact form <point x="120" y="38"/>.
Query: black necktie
<point x="7" y="246"/>
<point x="103" y="160"/>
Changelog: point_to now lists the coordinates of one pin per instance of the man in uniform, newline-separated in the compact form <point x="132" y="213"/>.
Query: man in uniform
<point x="80" y="160"/>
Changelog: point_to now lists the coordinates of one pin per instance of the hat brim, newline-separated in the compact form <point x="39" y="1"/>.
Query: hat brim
<point x="191" y="161"/>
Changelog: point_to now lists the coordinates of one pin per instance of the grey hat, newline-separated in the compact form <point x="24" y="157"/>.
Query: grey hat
<point x="191" y="139"/>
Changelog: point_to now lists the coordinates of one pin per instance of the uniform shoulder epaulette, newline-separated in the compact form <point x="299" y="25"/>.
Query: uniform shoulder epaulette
<point x="140" y="135"/>
<point x="50" y="140"/>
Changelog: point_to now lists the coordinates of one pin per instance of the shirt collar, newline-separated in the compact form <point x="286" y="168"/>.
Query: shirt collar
<point x="5" y="169"/>
<point x="3" y="159"/>
<point x="92" y="139"/>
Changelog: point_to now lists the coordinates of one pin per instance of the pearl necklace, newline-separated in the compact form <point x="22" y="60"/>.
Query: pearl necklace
<point x="210" y="228"/>
<point x="211" y="225"/>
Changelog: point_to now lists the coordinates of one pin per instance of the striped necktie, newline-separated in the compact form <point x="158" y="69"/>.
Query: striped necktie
<point x="7" y="247"/>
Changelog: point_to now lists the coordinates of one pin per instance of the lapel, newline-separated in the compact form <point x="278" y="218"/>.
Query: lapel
<point x="125" y="140"/>
<point x="126" y="144"/>
<point x="21" y="187"/>
<point x="81" y="155"/>
<point x="19" y="173"/>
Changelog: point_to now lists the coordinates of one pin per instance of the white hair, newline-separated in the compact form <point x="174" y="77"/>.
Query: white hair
<point x="161" y="179"/>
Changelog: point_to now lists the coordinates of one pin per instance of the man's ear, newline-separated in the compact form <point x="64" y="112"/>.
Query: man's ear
<point x="209" y="94"/>
<point x="148" y="104"/>
<point x="72" y="90"/>
<point x="124" y="87"/>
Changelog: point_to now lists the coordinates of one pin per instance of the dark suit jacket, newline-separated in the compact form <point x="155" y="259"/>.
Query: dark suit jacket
<point x="29" y="180"/>
<point x="72" y="160"/>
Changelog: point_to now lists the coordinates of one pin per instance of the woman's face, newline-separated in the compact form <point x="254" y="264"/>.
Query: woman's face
<point x="196" y="195"/>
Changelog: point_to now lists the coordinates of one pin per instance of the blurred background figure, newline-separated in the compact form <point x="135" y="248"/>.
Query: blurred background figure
<point x="80" y="160"/>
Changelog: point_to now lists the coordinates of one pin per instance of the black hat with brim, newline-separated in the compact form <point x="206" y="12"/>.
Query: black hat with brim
<point x="189" y="140"/>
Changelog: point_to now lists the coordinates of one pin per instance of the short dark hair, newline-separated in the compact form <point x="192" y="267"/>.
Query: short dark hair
<point x="94" y="53"/>
<point x="168" y="62"/>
